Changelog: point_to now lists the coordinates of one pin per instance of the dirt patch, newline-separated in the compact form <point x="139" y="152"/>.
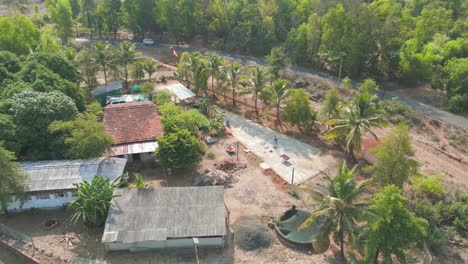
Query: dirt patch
<point x="251" y="234"/>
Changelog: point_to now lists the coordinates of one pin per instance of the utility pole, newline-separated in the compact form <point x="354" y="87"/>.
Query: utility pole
<point x="195" y="243"/>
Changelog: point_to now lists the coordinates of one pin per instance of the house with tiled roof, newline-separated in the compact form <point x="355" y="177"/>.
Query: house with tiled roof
<point x="135" y="127"/>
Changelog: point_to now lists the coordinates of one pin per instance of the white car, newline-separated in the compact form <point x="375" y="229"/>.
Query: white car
<point x="148" y="41"/>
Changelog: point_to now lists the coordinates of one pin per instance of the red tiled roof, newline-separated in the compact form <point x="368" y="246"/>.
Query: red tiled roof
<point x="132" y="122"/>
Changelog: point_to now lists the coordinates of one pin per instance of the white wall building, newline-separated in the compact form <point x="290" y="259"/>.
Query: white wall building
<point x="50" y="184"/>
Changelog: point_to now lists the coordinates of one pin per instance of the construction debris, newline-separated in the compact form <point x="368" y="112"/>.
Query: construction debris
<point x="210" y="178"/>
<point x="230" y="166"/>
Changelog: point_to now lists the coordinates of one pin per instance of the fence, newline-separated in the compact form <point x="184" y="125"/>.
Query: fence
<point x="38" y="246"/>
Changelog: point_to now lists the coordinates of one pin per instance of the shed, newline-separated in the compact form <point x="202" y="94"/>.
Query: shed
<point x="143" y="219"/>
<point x="182" y="93"/>
<point x="111" y="89"/>
<point x="50" y="184"/>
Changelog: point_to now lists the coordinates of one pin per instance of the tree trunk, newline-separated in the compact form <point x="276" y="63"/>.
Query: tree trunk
<point x="342" y="255"/>
<point x="376" y="257"/>
<point x="105" y="73"/>
<point x="278" y="114"/>
<point x="255" y="104"/>
<point x="212" y="87"/>
<point x="126" y="78"/>
<point x="234" y="96"/>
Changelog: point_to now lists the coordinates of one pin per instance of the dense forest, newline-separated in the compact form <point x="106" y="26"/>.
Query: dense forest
<point x="412" y="41"/>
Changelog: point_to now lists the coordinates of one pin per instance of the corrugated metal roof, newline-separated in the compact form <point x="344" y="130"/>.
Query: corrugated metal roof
<point x="112" y="86"/>
<point x="62" y="174"/>
<point x="126" y="98"/>
<point x="180" y="91"/>
<point x="163" y="213"/>
<point x="135" y="148"/>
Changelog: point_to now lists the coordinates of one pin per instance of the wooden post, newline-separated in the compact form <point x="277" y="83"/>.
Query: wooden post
<point x="237" y="150"/>
<point x="292" y="179"/>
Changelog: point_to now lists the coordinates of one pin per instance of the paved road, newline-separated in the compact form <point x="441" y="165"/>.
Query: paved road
<point x="306" y="159"/>
<point x="253" y="61"/>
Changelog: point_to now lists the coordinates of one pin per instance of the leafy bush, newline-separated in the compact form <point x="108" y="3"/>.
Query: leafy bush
<point x="429" y="186"/>
<point x="396" y="111"/>
<point x="162" y="98"/>
<point x="210" y="155"/>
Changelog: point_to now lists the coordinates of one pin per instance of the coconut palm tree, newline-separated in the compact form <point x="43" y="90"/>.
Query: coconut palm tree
<point x="183" y="71"/>
<point x="214" y="66"/>
<point x="114" y="64"/>
<point x="223" y="84"/>
<point x="205" y="104"/>
<point x="339" y="210"/>
<point x="254" y="84"/>
<point x="138" y="71"/>
<point x="87" y="67"/>
<point x="275" y="95"/>
<point x="200" y="74"/>
<point x="358" y="119"/>
<point x="234" y="74"/>
<point x="150" y="67"/>
<point x="102" y="54"/>
<point x="126" y="57"/>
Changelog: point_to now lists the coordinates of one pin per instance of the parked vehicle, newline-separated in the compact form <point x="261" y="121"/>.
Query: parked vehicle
<point x="148" y="41"/>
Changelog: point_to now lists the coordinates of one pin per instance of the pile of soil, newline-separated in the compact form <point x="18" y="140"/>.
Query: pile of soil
<point x="210" y="178"/>
<point x="250" y="234"/>
<point x="230" y="165"/>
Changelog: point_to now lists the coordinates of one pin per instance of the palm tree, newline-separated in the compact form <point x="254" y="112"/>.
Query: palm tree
<point x="150" y="67"/>
<point x="126" y="56"/>
<point x="358" y="119"/>
<point x="254" y="84"/>
<point x="223" y="82"/>
<point x="234" y="74"/>
<point x="87" y="68"/>
<point x="205" y="103"/>
<point x="183" y="71"/>
<point x="339" y="211"/>
<point x="114" y="64"/>
<point x="200" y="74"/>
<point x="214" y="67"/>
<point x="138" y="71"/>
<point x="102" y="54"/>
<point x="275" y="95"/>
<point x="92" y="201"/>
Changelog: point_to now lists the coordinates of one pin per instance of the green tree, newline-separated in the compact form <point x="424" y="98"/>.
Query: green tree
<point x="18" y="35"/>
<point x="61" y="13"/>
<point x="274" y="96"/>
<point x="431" y="21"/>
<point x="150" y="68"/>
<point x="102" y="55"/>
<point x="92" y="201"/>
<point x="183" y="71"/>
<point x="276" y="61"/>
<point x="299" y="110"/>
<point x="341" y="208"/>
<point x="13" y="181"/>
<point x="111" y="13"/>
<point x="163" y="97"/>
<point x="81" y="138"/>
<point x="88" y="15"/>
<point x="214" y="67"/>
<point x="7" y="132"/>
<point x="331" y="105"/>
<point x="254" y="84"/>
<point x="147" y="89"/>
<point x="139" y="182"/>
<point x="126" y="56"/>
<point x="137" y="72"/>
<point x="347" y="83"/>
<point x="233" y="76"/>
<point x="392" y="228"/>
<point x="454" y="80"/>
<point x="33" y="113"/>
<point x="87" y="67"/>
<point x="179" y="150"/>
<point x="368" y="85"/>
<point x="358" y="120"/>
<point x="394" y="161"/>
<point x="178" y="120"/>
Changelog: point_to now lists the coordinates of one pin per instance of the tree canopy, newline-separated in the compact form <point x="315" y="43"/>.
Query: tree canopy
<point x="11" y="178"/>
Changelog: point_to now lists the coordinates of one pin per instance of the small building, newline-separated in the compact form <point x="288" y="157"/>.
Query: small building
<point x="182" y="95"/>
<point x="101" y="93"/>
<point x="50" y="184"/>
<point x="135" y="127"/>
<point x="143" y="219"/>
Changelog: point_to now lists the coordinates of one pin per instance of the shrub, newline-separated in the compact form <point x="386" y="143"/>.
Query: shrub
<point x="429" y="186"/>
<point x="210" y="155"/>
<point x="162" y="98"/>
<point x="434" y="122"/>
<point x="397" y="112"/>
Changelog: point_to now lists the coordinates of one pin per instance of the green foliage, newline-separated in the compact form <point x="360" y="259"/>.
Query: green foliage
<point x="274" y="96"/>
<point x="330" y="105"/>
<point x="179" y="150"/>
<point x="92" y="201"/>
<point x="81" y="138"/>
<point x="359" y="117"/>
<point x="61" y="13"/>
<point x="233" y="76"/>
<point x="394" y="161"/>
<point x="33" y="112"/>
<point x="7" y="132"/>
<point x="342" y="209"/>
<point x="103" y="57"/>
<point x="397" y="112"/>
<point x="139" y="182"/>
<point x="12" y="41"/>
<point x="95" y="109"/>
<point x="346" y="84"/>
<point x="150" y="67"/>
<point x="299" y="111"/>
<point x="57" y="63"/>
<point x="454" y="76"/>
<point x="13" y="181"/>
<point x="137" y="71"/>
<point x="87" y="67"/>
<point x="392" y="228"/>
<point x="254" y="83"/>
<point x="429" y="186"/>
<point x="163" y="98"/>
<point x="276" y="61"/>
<point x="368" y="85"/>
<point x="147" y="89"/>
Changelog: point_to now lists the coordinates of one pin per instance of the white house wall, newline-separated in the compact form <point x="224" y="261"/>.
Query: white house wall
<point x="172" y="243"/>
<point x="49" y="200"/>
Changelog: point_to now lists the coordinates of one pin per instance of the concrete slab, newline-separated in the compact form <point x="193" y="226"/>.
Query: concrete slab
<point x="304" y="158"/>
